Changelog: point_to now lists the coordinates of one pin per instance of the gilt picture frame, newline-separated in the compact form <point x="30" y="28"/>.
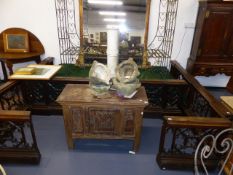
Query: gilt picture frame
<point x="16" y="42"/>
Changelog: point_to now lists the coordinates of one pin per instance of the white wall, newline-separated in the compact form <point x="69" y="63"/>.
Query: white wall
<point x="38" y="16"/>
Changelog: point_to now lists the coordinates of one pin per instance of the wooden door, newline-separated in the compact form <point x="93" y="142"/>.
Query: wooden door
<point x="230" y="45"/>
<point x="215" y="35"/>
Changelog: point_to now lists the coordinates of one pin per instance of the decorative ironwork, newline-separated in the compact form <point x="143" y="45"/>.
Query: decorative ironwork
<point x="54" y="90"/>
<point x="69" y="40"/>
<point x="221" y="144"/>
<point x="200" y="106"/>
<point x="164" y="97"/>
<point x="184" y="140"/>
<point x="33" y="92"/>
<point x="160" y="47"/>
<point x="41" y="92"/>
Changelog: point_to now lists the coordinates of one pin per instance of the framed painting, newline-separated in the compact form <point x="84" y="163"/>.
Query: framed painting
<point x="16" y="42"/>
<point x="103" y="37"/>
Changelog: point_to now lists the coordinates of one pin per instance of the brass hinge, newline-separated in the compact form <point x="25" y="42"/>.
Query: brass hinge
<point x="207" y="14"/>
<point x="199" y="52"/>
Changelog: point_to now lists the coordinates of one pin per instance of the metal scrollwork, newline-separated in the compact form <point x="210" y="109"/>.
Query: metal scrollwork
<point x="69" y="39"/>
<point x="160" y="47"/>
<point x="2" y="170"/>
<point x="221" y="144"/>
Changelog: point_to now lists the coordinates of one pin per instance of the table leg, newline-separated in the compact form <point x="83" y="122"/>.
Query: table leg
<point x="37" y="60"/>
<point x="138" y="128"/>
<point x="5" y="77"/>
<point x="9" y="66"/>
<point x="230" y="85"/>
<point x="68" y="129"/>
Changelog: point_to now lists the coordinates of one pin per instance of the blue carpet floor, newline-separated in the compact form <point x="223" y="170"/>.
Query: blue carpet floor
<point x="92" y="157"/>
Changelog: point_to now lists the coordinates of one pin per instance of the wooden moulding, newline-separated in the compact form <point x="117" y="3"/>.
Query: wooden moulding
<point x="195" y="121"/>
<point x="20" y="156"/>
<point x="181" y="162"/>
<point x="14" y="115"/>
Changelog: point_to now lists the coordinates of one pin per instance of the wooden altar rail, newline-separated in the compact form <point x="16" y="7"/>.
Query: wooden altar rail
<point x="180" y="136"/>
<point x="181" y="96"/>
<point x="17" y="138"/>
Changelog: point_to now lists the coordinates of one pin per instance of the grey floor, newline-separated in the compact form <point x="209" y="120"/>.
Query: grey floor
<point x="94" y="157"/>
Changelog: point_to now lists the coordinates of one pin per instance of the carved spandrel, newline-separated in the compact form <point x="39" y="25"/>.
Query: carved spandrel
<point x="103" y="121"/>
<point x="77" y="120"/>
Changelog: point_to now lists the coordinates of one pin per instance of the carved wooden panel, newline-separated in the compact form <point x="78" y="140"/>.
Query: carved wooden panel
<point x="103" y="120"/>
<point x="77" y="120"/>
<point x="129" y="115"/>
<point x="214" y="35"/>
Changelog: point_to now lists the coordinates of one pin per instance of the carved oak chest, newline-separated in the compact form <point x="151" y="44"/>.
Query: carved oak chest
<point x="86" y="116"/>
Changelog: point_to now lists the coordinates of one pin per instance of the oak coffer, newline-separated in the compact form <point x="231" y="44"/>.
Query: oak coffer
<point x="113" y="117"/>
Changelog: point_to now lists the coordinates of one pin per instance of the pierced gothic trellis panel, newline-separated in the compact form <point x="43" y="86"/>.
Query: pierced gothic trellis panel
<point x="15" y="135"/>
<point x="165" y="98"/>
<point x="184" y="140"/>
<point x="17" y="138"/>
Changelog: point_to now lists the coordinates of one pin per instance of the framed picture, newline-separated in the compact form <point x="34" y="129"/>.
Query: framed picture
<point x="103" y="37"/>
<point x="16" y="42"/>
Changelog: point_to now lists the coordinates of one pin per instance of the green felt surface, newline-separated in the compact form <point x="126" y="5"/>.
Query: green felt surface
<point x="70" y="70"/>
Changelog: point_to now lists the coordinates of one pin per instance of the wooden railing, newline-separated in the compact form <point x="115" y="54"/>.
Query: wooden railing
<point x="181" y="96"/>
<point x="17" y="138"/>
<point x="202" y="115"/>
